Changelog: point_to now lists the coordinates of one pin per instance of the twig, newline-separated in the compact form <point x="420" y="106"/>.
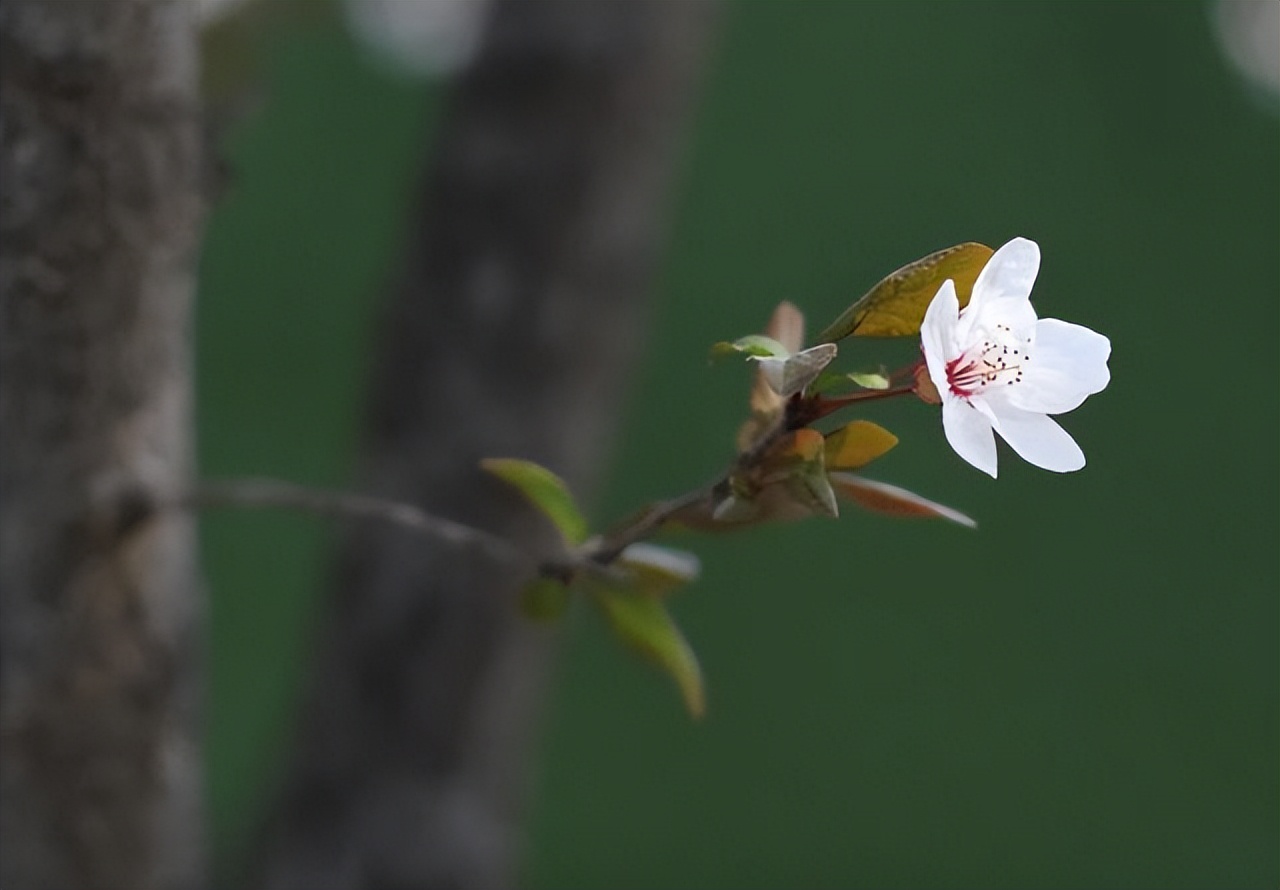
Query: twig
<point x="272" y="493"/>
<point x="646" y="524"/>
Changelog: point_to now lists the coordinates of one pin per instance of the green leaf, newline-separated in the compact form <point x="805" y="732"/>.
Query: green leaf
<point x="546" y="491"/>
<point x="644" y="624"/>
<point x="895" y="307"/>
<point x="752" y="346"/>
<point x="870" y="380"/>
<point x="840" y="381"/>
<point x="857" y="444"/>
<point x="544" y="599"/>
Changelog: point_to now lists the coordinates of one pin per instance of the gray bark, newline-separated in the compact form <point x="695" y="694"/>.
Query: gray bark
<point x="510" y="334"/>
<point x="99" y="643"/>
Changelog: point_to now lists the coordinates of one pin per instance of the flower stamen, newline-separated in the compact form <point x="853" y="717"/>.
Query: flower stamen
<point x="993" y="361"/>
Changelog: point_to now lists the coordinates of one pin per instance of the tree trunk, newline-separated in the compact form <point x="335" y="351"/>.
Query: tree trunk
<point x="99" y="631"/>
<point x="510" y="334"/>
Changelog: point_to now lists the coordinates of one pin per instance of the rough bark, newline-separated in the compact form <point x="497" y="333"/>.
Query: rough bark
<point x="99" y="644"/>
<point x="510" y="334"/>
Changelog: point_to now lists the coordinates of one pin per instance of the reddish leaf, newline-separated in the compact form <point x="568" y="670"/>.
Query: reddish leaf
<point x="884" y="498"/>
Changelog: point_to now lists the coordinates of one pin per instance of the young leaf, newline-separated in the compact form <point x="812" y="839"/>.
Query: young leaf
<point x="787" y="376"/>
<point x="802" y="446"/>
<point x="656" y="570"/>
<point x="734" y="509"/>
<point x="857" y="444"/>
<point x="810" y="488"/>
<point x="752" y="346"/>
<point x="544" y="599"/>
<point x="546" y="491"/>
<point x="794" y="481"/>
<point x="643" y="623"/>
<point x="869" y="380"/>
<point x="884" y="498"/>
<point x="895" y="307"/>
<point x="786" y="328"/>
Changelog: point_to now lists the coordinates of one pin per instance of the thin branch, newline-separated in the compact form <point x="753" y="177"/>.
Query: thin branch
<point x="256" y="492"/>
<point x="648" y="523"/>
<point x="824" y="406"/>
<point x="272" y="493"/>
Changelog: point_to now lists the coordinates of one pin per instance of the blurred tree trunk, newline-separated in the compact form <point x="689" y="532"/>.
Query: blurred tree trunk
<point x="99" y="637"/>
<point x="510" y="334"/>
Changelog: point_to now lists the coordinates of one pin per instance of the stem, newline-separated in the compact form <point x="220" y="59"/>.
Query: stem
<point x="257" y="492"/>
<point x="648" y="523"/>
<point x="828" y="406"/>
<point x="271" y="493"/>
<point x="908" y="372"/>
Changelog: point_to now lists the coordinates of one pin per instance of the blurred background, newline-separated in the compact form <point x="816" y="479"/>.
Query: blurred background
<point x="1083" y="692"/>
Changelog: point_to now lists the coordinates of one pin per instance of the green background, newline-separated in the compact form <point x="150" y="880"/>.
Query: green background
<point x="1081" y="693"/>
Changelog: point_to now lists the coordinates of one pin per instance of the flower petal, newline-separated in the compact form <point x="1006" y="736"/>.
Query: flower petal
<point x="969" y="433"/>
<point x="937" y="333"/>
<point x="1010" y="273"/>
<point x="1039" y="440"/>
<point x="1075" y="350"/>
<point x="1016" y="316"/>
<point x="1068" y="363"/>
<point x="1002" y="295"/>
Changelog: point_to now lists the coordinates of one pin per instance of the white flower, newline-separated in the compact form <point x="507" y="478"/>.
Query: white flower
<point x="997" y="367"/>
